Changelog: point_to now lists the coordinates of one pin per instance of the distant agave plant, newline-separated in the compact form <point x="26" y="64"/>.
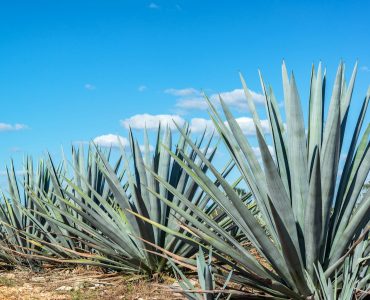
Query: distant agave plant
<point x="26" y="237"/>
<point x="100" y="203"/>
<point x="311" y="214"/>
<point x="152" y="241"/>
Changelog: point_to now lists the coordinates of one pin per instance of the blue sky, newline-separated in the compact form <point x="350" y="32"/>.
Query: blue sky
<point x="78" y="70"/>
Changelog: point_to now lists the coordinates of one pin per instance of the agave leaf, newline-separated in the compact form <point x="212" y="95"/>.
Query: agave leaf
<point x="313" y="216"/>
<point x="286" y="84"/>
<point x="278" y="194"/>
<point x="347" y="186"/>
<point x="117" y="189"/>
<point x="241" y="215"/>
<point x="246" y="257"/>
<point x="346" y="100"/>
<point x="251" y="105"/>
<point x="356" y="223"/>
<point x="349" y="167"/>
<point x="254" y="165"/>
<point x="330" y="154"/>
<point x="141" y="179"/>
<point x="297" y="153"/>
<point x="278" y="138"/>
<point x="291" y="256"/>
<point x="164" y="171"/>
<point x="235" y="152"/>
<point x="355" y="189"/>
<point x="316" y="114"/>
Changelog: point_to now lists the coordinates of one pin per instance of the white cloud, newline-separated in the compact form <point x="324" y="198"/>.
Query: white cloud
<point x="234" y="98"/>
<point x="198" y="125"/>
<point x="192" y="103"/>
<point x="111" y="140"/>
<point x="365" y="69"/>
<point x="237" y="98"/>
<point x="182" y="92"/>
<point x="153" y="5"/>
<point x="10" y="127"/>
<point x="247" y="125"/>
<point x="89" y="86"/>
<point x="148" y="121"/>
<point x="142" y="88"/>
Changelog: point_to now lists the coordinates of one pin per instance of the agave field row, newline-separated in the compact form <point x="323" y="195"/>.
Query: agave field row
<point x="175" y="210"/>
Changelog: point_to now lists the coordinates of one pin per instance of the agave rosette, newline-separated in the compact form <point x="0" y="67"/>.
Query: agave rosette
<point x="311" y="214"/>
<point x="97" y="204"/>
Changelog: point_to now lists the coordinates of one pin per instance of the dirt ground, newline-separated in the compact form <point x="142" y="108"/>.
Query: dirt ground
<point x="81" y="284"/>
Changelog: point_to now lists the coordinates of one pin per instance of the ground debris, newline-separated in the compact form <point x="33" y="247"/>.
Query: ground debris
<point x="79" y="284"/>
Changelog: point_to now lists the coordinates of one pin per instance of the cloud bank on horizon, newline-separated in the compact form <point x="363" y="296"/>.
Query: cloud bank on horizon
<point x="188" y="99"/>
<point x="196" y="125"/>
<point x="191" y="98"/>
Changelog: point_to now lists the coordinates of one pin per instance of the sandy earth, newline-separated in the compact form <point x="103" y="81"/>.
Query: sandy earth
<point x="90" y="283"/>
<point x="80" y="284"/>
